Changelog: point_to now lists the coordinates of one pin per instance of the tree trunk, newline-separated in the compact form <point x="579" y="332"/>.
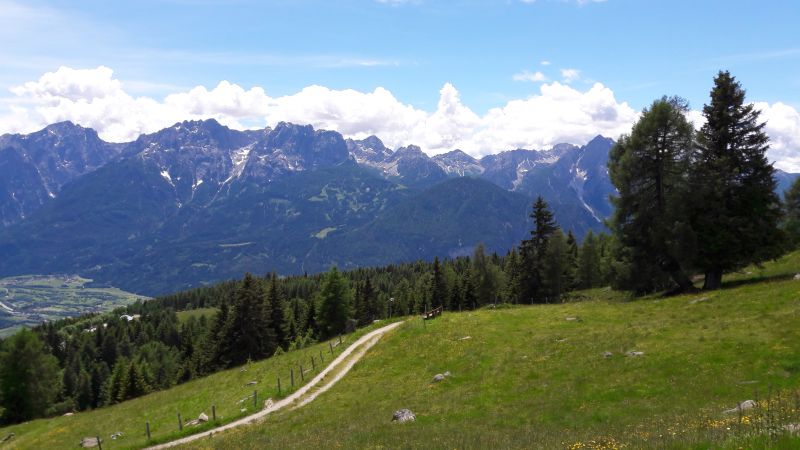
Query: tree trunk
<point x="673" y="268"/>
<point x="713" y="280"/>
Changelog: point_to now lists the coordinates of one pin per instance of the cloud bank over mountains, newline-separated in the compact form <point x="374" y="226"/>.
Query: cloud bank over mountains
<point x="558" y="113"/>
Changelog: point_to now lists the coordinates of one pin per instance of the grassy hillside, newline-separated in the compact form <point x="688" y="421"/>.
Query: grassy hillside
<point x="29" y="300"/>
<point x="530" y="377"/>
<point x="230" y="391"/>
<point x="523" y="377"/>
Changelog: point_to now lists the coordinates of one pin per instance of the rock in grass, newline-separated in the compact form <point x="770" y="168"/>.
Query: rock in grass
<point x="89" y="442"/>
<point x="698" y="300"/>
<point x="571" y="319"/>
<point x="268" y="403"/>
<point x="446" y="374"/>
<point x="607" y="354"/>
<point x="202" y="417"/>
<point x="438" y="377"/>
<point x="116" y="435"/>
<point x="635" y="353"/>
<point x="403" y="415"/>
<point x="743" y="406"/>
<point x="797" y="277"/>
<point x="252" y="383"/>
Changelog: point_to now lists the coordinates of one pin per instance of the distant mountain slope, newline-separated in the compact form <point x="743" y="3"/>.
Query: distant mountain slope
<point x="448" y="219"/>
<point x="34" y="167"/>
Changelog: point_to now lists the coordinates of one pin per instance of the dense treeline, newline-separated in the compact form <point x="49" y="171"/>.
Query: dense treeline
<point x="689" y="202"/>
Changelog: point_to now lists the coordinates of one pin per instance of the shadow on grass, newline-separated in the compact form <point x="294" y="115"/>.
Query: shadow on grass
<point x="757" y="279"/>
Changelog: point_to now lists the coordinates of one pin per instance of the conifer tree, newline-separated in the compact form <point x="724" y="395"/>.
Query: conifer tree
<point x="792" y="210"/>
<point x="588" y="275"/>
<point x="334" y="305"/>
<point x="277" y="320"/>
<point x="736" y="211"/>
<point x="438" y="287"/>
<point x="532" y="251"/>
<point x="651" y="219"/>
<point x="555" y="270"/>
<point x="28" y="377"/>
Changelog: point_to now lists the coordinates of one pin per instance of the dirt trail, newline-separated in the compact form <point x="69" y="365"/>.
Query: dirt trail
<point x="362" y="345"/>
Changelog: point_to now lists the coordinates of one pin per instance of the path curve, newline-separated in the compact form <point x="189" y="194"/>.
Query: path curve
<point x="370" y="339"/>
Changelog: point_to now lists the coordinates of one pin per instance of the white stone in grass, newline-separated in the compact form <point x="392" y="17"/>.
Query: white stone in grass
<point x="438" y="377"/>
<point x="698" y="300"/>
<point x="89" y="442"/>
<point x="635" y="353"/>
<point x="252" y="383"/>
<point x="743" y="406"/>
<point x="571" y="319"/>
<point x="607" y="354"/>
<point x="447" y="373"/>
<point x="403" y="415"/>
<point x="465" y="338"/>
<point x="116" y="435"/>
<point x="797" y="277"/>
<point x="268" y="404"/>
<point x="202" y="417"/>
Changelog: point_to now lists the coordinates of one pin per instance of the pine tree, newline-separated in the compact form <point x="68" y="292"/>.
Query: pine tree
<point x="532" y="251"/>
<point x="247" y="333"/>
<point x="588" y="275"/>
<point x="469" y="299"/>
<point x="335" y="300"/>
<point x="650" y="217"/>
<point x="792" y="210"/>
<point x="277" y="322"/>
<point x="28" y="377"/>
<point x="736" y="212"/>
<point x="572" y="260"/>
<point x="438" y="287"/>
<point x="555" y="267"/>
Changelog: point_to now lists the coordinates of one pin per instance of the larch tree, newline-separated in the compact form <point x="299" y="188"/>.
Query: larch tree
<point x="651" y="218"/>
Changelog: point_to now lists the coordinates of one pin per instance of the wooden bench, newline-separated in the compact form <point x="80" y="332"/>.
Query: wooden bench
<point x="432" y="314"/>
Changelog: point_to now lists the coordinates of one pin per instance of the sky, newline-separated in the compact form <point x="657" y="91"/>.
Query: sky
<point x="483" y="76"/>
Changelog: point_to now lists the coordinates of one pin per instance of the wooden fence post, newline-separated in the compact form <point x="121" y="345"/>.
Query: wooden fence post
<point x="291" y="373"/>
<point x="321" y="359"/>
<point x="340" y="339"/>
<point x="213" y="412"/>
<point x="255" y="400"/>
<point x="279" y="385"/>
<point x="99" y="443"/>
<point x="147" y="429"/>
<point x="313" y="366"/>
<point x="180" y="423"/>
<point x="302" y="377"/>
<point x="330" y="344"/>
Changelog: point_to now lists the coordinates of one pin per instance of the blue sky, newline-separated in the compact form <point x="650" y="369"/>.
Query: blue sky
<point x="492" y="53"/>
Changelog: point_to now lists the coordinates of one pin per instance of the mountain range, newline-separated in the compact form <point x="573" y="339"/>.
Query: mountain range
<point x="199" y="202"/>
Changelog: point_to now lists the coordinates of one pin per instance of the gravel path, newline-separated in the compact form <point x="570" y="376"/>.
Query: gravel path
<point x="369" y="339"/>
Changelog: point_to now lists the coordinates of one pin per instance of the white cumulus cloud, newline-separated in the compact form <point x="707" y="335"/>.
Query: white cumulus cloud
<point x="526" y="75"/>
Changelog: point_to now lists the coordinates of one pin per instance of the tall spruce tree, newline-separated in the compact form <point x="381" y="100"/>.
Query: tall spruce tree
<point x="438" y="286"/>
<point x="651" y="217"/>
<point x="555" y="268"/>
<point x="29" y="379"/>
<point x="792" y="210"/>
<point x="532" y="252"/>
<point x="277" y="314"/>
<point x="588" y="275"/>
<point x="334" y="305"/>
<point x="736" y="210"/>
<point x="246" y="335"/>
